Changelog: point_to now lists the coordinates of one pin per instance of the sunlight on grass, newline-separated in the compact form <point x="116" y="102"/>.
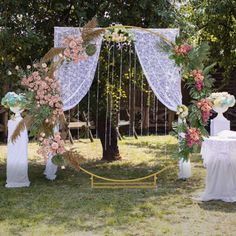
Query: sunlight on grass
<point x="68" y="206"/>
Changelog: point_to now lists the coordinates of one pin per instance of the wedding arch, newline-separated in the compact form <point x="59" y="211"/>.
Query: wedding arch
<point x="162" y="74"/>
<point x="73" y="62"/>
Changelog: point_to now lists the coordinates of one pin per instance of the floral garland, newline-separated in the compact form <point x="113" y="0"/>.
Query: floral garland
<point x="43" y="101"/>
<point x="54" y="146"/>
<point x="193" y="119"/>
<point x="222" y="100"/>
<point x="74" y="50"/>
<point x="118" y="34"/>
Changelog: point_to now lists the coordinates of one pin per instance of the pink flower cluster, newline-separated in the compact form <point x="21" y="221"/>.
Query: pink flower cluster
<point x="198" y="77"/>
<point x="74" y="49"/>
<point x="205" y="106"/>
<point x="183" y="50"/>
<point x="193" y="136"/>
<point x="51" y="146"/>
<point x="46" y="91"/>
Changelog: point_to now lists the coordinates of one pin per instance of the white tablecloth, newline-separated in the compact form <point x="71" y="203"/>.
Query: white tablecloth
<point x="219" y="158"/>
<point x="17" y="157"/>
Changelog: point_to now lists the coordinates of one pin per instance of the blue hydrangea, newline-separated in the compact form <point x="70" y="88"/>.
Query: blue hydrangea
<point x="11" y="99"/>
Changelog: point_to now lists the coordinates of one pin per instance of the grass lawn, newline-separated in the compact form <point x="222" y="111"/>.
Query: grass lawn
<point x="68" y="206"/>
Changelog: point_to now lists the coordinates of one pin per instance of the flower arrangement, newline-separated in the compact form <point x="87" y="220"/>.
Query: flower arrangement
<point x="42" y="93"/>
<point x="11" y="99"/>
<point x="182" y="50"/>
<point x="74" y="49"/>
<point x="182" y="111"/>
<point x="205" y="107"/>
<point x="193" y="136"/>
<point x="179" y="51"/>
<point x="119" y="34"/>
<point x="52" y="146"/>
<point x="222" y="100"/>
<point x="197" y="79"/>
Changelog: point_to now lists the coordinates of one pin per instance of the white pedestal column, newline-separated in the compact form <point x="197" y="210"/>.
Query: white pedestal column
<point x="17" y="156"/>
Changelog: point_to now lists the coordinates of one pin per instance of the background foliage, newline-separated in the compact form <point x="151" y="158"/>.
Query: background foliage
<point x="215" y="22"/>
<point x="27" y="26"/>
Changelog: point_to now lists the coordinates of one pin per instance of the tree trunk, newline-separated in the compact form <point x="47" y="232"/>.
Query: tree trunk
<point x="108" y="140"/>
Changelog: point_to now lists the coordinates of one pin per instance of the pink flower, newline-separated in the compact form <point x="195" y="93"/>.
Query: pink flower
<point x="61" y="150"/>
<point x="67" y="52"/>
<point x="183" y="49"/>
<point x="199" y="85"/>
<point x="205" y="106"/>
<point x="72" y="44"/>
<point x="35" y="74"/>
<point x="57" y="138"/>
<point x="193" y="136"/>
<point x="55" y="146"/>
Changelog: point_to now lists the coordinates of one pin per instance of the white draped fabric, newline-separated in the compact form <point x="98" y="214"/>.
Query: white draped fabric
<point x="161" y="72"/>
<point x="75" y="78"/>
<point x="17" y="157"/>
<point x="219" y="158"/>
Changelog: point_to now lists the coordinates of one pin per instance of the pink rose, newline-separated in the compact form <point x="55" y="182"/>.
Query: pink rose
<point x="72" y="44"/>
<point x="54" y="146"/>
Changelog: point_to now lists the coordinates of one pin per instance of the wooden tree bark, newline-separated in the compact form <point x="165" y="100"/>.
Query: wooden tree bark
<point x="109" y="142"/>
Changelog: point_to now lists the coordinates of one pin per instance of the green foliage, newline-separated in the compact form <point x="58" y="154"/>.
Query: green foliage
<point x="214" y="22"/>
<point x="91" y="49"/>
<point x="197" y="56"/>
<point x="58" y="160"/>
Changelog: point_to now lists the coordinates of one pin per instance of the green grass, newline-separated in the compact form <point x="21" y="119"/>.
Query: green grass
<point x="68" y="206"/>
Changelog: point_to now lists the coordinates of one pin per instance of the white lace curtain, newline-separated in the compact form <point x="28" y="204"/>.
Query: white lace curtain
<point x="161" y="72"/>
<point x="75" y="78"/>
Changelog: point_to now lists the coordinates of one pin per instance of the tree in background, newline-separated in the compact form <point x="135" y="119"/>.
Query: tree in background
<point x="215" y="22"/>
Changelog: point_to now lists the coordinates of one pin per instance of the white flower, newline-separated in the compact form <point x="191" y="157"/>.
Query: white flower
<point x="9" y="73"/>
<point x="182" y="111"/>
<point x="17" y="67"/>
<point x="60" y="55"/>
<point x="42" y="134"/>
<point x="28" y="67"/>
<point x="19" y="17"/>
<point x="106" y="15"/>
<point x="44" y="65"/>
